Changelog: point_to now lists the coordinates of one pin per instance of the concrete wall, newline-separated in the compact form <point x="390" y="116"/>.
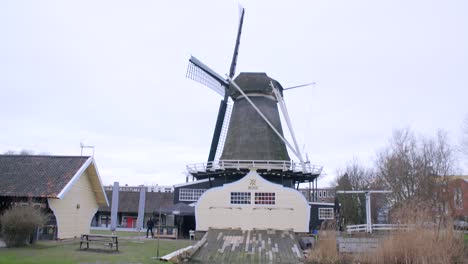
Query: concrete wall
<point x="290" y="211"/>
<point x="76" y="210"/>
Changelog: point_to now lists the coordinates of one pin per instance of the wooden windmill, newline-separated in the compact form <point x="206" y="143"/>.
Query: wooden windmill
<point x="251" y="135"/>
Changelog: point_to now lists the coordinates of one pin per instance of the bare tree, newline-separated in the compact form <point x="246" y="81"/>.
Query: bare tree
<point x="354" y="177"/>
<point x="395" y="165"/>
<point x="22" y="152"/>
<point x="415" y="168"/>
<point x="26" y="152"/>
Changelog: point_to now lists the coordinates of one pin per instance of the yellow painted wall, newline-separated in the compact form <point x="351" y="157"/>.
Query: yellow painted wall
<point x="73" y="222"/>
<point x="290" y="211"/>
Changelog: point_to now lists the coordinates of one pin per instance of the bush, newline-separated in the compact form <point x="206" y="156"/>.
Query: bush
<point x="19" y="223"/>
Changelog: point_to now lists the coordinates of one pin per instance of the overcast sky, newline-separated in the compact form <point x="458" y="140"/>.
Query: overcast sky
<point x="112" y="74"/>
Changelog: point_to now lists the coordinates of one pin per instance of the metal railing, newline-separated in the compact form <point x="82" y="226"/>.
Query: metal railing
<point x="257" y="164"/>
<point x="376" y="227"/>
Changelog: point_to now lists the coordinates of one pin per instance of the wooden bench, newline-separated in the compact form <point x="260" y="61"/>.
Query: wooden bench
<point x="107" y="240"/>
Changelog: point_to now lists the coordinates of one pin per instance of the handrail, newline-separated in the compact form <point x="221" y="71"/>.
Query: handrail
<point x="258" y="164"/>
<point x="379" y="227"/>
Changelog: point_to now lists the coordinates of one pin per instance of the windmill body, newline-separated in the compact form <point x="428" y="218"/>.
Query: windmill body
<point x="249" y="137"/>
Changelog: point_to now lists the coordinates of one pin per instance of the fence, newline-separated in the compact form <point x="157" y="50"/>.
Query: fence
<point x="376" y="227"/>
<point x="259" y="164"/>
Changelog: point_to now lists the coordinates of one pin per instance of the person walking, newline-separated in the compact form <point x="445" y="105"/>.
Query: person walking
<point x="149" y="226"/>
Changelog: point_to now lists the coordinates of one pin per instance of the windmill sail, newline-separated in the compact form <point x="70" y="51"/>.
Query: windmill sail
<point x="201" y="73"/>
<point x="224" y="130"/>
<point x="232" y="70"/>
<point x="299" y="86"/>
<point x="224" y="114"/>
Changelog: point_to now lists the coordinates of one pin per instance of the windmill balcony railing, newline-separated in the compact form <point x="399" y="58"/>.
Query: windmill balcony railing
<point x="257" y="164"/>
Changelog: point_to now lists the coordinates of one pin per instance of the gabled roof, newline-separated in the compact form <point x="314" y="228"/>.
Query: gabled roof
<point x="128" y="201"/>
<point x="46" y="176"/>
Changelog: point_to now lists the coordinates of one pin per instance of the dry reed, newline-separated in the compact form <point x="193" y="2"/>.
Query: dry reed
<point x="430" y="240"/>
<point x="325" y="250"/>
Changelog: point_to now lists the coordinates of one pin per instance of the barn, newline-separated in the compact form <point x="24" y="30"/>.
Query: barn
<point x="67" y="187"/>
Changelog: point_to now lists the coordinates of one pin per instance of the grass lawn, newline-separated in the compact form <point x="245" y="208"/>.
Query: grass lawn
<point x="67" y="252"/>
<point x="119" y="233"/>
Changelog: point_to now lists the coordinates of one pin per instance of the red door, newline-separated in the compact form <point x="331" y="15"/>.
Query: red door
<point x="130" y="222"/>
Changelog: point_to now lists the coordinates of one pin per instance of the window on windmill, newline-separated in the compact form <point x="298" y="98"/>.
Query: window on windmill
<point x="325" y="213"/>
<point x="265" y="198"/>
<point x="190" y="195"/>
<point x="240" y="197"/>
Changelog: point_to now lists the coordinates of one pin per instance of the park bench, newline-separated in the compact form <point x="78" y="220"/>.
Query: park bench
<point x="107" y="240"/>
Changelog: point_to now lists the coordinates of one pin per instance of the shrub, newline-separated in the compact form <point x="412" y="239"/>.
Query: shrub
<point x="19" y="223"/>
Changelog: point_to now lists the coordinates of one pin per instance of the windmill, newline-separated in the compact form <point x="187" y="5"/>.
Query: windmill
<point x="248" y="132"/>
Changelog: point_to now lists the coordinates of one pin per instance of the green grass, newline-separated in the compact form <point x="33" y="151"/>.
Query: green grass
<point x="67" y="252"/>
<point x="119" y="233"/>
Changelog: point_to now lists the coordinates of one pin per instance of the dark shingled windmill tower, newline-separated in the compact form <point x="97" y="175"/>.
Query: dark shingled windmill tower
<point x="249" y="137"/>
<point x="248" y="132"/>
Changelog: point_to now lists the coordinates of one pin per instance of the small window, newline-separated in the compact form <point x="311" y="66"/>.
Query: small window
<point x="190" y="195"/>
<point x="325" y="213"/>
<point x="265" y="198"/>
<point x="458" y="198"/>
<point x="240" y="197"/>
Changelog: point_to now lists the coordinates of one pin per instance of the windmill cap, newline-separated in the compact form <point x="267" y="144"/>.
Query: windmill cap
<point x="254" y="82"/>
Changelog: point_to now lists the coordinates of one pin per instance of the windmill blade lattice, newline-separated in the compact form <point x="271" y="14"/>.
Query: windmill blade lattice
<point x="224" y="130"/>
<point x="200" y="75"/>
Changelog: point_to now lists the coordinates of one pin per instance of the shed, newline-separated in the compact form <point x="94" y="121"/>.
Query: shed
<point x="321" y="212"/>
<point x="67" y="186"/>
<point x="128" y="208"/>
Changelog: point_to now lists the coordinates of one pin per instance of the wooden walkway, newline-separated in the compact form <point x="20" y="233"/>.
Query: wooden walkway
<point x="255" y="246"/>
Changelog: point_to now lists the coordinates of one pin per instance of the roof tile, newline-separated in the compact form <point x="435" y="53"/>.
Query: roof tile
<point x="37" y="175"/>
